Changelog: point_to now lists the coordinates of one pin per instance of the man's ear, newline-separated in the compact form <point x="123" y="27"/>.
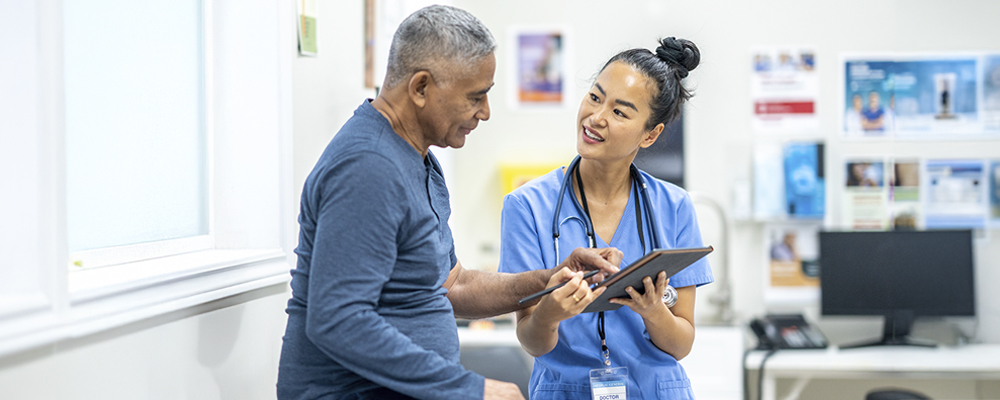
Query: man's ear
<point x="651" y="136"/>
<point x="417" y="88"/>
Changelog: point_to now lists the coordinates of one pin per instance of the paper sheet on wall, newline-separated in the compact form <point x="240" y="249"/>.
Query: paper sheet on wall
<point x="905" y="206"/>
<point x="956" y="194"/>
<point x="866" y="197"/>
<point x="306" y="23"/>
<point x="805" y="180"/>
<point x="784" y="88"/>
<point x="792" y="274"/>
<point x="768" y="181"/>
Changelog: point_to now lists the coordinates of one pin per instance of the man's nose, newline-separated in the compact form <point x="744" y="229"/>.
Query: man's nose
<point x="484" y="113"/>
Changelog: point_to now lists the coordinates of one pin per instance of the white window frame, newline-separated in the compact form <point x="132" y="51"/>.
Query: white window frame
<point x="248" y="55"/>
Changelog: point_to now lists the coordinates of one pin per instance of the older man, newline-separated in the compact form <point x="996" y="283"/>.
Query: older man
<point x="378" y="284"/>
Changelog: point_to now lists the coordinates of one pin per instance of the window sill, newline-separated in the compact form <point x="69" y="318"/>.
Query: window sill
<point x="101" y="299"/>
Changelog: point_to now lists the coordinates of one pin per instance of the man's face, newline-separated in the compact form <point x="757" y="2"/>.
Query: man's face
<point x="873" y="100"/>
<point x="455" y="107"/>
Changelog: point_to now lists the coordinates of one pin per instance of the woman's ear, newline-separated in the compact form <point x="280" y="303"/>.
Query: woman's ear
<point x="417" y="88"/>
<point x="651" y="136"/>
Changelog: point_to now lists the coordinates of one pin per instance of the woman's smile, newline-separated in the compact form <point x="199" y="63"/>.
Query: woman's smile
<point x="592" y="135"/>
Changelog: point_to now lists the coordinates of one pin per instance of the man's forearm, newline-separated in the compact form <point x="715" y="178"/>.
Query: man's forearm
<point x="480" y="294"/>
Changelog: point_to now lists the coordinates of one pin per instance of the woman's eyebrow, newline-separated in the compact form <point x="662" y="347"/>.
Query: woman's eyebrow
<point x="627" y="104"/>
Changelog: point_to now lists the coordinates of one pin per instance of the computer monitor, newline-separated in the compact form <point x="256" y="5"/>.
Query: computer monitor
<point x="898" y="274"/>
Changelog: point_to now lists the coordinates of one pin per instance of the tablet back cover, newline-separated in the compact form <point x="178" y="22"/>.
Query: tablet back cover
<point x="672" y="261"/>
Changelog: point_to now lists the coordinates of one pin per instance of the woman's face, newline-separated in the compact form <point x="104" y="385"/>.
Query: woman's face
<point x="611" y="123"/>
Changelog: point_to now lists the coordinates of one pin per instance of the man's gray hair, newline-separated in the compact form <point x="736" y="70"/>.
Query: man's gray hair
<point x="437" y="37"/>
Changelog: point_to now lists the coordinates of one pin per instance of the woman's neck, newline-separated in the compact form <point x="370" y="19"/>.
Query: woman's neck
<point x="605" y="182"/>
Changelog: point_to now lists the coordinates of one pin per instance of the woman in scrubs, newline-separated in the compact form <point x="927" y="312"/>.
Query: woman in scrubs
<point x="636" y="93"/>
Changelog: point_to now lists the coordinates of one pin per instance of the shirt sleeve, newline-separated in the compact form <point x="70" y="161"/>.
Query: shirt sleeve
<point x="519" y="248"/>
<point x="361" y="208"/>
<point x="689" y="235"/>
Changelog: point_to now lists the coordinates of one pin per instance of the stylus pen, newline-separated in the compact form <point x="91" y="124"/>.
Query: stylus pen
<point x="549" y="290"/>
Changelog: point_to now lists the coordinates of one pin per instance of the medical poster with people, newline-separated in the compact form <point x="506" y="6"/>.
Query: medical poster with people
<point x="793" y="262"/>
<point x="784" y="88"/>
<point x="866" y="196"/>
<point x="916" y="96"/>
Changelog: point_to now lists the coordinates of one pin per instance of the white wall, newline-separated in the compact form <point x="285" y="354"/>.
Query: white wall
<point x="226" y="349"/>
<point x="718" y="120"/>
<point x="328" y="87"/>
<point x="718" y="136"/>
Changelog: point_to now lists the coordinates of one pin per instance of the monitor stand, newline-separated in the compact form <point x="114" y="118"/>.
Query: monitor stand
<point x="895" y="332"/>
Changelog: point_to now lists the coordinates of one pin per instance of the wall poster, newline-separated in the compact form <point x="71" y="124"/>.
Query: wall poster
<point x="921" y="95"/>
<point x="866" y="196"/>
<point x="538" y="68"/>
<point x="792" y="274"/>
<point x="784" y="88"/>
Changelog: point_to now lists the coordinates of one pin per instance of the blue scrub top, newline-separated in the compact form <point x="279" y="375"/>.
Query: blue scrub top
<point x="526" y="244"/>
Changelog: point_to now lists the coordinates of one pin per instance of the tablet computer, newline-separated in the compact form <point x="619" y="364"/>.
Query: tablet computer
<point x="671" y="261"/>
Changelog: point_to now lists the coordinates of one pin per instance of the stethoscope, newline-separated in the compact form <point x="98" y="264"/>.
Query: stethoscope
<point x="588" y="225"/>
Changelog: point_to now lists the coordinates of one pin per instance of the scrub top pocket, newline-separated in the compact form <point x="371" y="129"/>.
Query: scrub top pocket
<point x="674" y="390"/>
<point x="561" y="391"/>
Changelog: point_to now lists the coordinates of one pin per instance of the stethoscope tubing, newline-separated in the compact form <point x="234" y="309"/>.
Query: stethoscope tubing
<point x="650" y="215"/>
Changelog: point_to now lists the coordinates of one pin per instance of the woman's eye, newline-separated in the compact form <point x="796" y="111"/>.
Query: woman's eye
<point x="593" y="97"/>
<point x="620" y="114"/>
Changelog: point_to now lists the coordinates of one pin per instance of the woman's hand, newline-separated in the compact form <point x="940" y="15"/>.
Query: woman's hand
<point x="649" y="304"/>
<point x="567" y="301"/>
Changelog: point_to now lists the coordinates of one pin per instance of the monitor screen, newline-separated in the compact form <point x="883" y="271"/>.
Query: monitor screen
<point x="921" y="273"/>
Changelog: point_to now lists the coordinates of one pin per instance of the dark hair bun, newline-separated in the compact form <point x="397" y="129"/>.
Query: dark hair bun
<point x="679" y="53"/>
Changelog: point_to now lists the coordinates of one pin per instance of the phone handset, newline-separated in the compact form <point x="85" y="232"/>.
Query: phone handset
<point x="786" y="332"/>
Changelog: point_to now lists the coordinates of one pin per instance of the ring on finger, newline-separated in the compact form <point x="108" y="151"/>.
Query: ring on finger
<point x="576" y="298"/>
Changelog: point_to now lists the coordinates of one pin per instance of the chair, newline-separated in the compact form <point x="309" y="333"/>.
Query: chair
<point x="503" y="363"/>
<point x="895" y="394"/>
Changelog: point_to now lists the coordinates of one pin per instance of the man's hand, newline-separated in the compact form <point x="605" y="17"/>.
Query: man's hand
<point x="567" y="301"/>
<point x="606" y="259"/>
<point x="497" y="390"/>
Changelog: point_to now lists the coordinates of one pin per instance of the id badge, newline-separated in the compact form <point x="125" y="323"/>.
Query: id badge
<point x="608" y="383"/>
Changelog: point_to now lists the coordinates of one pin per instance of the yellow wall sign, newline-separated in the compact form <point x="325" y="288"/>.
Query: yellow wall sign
<point x="513" y="176"/>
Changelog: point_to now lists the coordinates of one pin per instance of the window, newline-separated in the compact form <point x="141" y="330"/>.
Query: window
<point x="77" y="100"/>
<point x="136" y="143"/>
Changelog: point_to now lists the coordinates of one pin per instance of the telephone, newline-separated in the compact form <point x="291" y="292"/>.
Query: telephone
<point x="787" y="331"/>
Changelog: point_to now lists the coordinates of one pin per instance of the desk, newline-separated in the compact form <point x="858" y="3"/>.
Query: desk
<point x="972" y="362"/>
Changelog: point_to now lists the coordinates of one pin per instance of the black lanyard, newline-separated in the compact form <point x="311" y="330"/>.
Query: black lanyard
<point x="642" y="241"/>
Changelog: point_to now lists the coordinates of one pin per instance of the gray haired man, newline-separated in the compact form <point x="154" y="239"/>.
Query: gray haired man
<point x="378" y="285"/>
